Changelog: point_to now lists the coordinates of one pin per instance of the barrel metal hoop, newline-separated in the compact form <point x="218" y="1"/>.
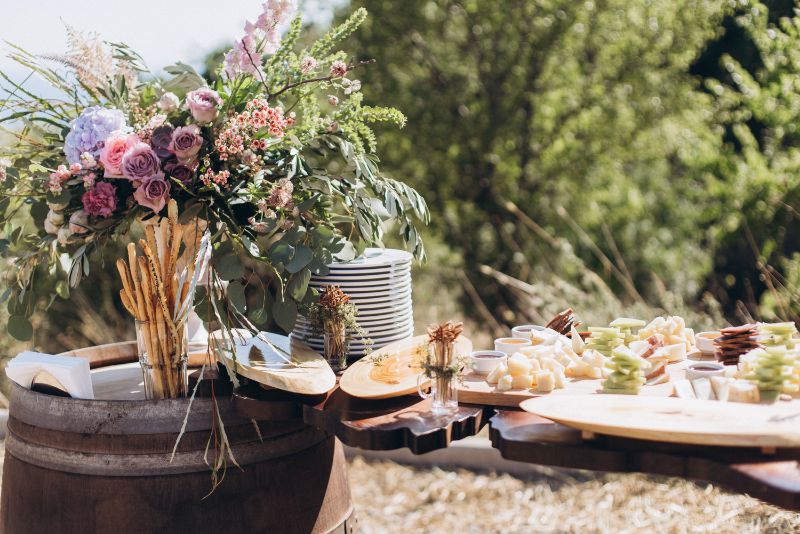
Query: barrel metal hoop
<point x="134" y="465"/>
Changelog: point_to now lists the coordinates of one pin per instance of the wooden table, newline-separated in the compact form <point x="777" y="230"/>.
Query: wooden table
<point x="773" y="478"/>
<point x="407" y="422"/>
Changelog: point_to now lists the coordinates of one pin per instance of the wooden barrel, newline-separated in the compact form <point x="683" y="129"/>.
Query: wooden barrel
<point x="85" y="466"/>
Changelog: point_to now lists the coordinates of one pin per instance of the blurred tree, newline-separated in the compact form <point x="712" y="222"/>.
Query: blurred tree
<point x="534" y="121"/>
<point x="756" y="219"/>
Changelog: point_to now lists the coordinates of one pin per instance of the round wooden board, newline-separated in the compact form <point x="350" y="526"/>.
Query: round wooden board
<point x="308" y="374"/>
<point x="674" y="420"/>
<point x="359" y="380"/>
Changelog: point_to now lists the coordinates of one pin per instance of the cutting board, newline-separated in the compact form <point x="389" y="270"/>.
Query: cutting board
<point x="674" y="420"/>
<point x="293" y="367"/>
<point x="474" y="389"/>
<point x="393" y="376"/>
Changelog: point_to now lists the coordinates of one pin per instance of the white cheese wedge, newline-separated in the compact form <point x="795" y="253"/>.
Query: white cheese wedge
<point x="545" y="381"/>
<point x="702" y="388"/>
<point x="684" y="389"/>
<point x="743" y="391"/>
<point x="496" y="373"/>
<point x="578" y="345"/>
<point x="505" y="383"/>
<point x="675" y="352"/>
<point x="721" y="385"/>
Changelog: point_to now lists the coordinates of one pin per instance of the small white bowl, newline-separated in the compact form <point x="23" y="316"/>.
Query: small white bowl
<point x="704" y="370"/>
<point x="483" y="362"/>
<point x="510" y="345"/>
<point x="524" y="331"/>
<point x="705" y="341"/>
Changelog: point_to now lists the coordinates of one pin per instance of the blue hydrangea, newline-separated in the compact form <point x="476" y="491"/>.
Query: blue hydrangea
<point x="90" y="130"/>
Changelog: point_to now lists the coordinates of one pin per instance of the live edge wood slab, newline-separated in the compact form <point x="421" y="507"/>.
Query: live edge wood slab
<point x="773" y="478"/>
<point x="372" y="424"/>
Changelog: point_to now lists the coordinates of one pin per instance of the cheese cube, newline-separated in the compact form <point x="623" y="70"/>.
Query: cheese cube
<point x="496" y="373"/>
<point x="676" y="352"/>
<point x="551" y="365"/>
<point x="743" y="391"/>
<point x="535" y="366"/>
<point x="521" y="382"/>
<point x="559" y="379"/>
<point x="545" y="381"/>
<point x="519" y="365"/>
<point x="505" y="383"/>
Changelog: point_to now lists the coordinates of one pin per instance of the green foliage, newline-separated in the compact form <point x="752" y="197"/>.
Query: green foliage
<point x="582" y="115"/>
<point x="755" y="219"/>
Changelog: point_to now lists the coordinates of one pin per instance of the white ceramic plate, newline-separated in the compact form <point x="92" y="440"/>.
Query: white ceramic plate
<point x="356" y="344"/>
<point x="383" y="323"/>
<point x="370" y="330"/>
<point x="376" y="257"/>
<point x="369" y="292"/>
<point x="362" y="285"/>
<point x="389" y="276"/>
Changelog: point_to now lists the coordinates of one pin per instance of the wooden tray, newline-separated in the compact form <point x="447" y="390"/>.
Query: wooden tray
<point x="473" y="388"/>
<point x="674" y="420"/>
<point x="362" y="379"/>
<point x="306" y="373"/>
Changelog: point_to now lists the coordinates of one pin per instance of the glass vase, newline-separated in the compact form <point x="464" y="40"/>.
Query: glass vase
<point x="440" y="367"/>
<point x="337" y="345"/>
<point x="162" y="357"/>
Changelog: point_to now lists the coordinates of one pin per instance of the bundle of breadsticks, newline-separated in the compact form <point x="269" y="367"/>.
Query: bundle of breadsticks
<point x="160" y="297"/>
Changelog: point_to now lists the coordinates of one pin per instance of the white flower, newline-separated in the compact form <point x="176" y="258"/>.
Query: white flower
<point x="78" y="222"/>
<point x="351" y="86"/>
<point x="333" y="100"/>
<point x="168" y="102"/>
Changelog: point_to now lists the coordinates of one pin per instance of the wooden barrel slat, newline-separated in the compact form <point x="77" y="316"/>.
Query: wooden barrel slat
<point x="81" y="466"/>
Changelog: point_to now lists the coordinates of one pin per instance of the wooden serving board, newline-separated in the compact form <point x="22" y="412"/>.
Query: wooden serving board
<point x="474" y="389"/>
<point x="674" y="420"/>
<point x="305" y="372"/>
<point x="393" y="377"/>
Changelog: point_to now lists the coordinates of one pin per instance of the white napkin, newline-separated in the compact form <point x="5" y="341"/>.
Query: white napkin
<point x="73" y="373"/>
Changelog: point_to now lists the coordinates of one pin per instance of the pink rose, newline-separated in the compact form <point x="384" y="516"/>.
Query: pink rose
<point x="100" y="200"/>
<point x="113" y="152"/>
<point x="140" y="161"/>
<point x="186" y="143"/>
<point x="153" y="192"/>
<point x="203" y="104"/>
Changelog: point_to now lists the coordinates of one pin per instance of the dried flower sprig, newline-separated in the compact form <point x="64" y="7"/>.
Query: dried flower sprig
<point x="333" y="297"/>
<point x="446" y="332"/>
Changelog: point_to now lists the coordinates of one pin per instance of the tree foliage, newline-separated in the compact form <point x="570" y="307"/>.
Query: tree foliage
<point x="584" y="115"/>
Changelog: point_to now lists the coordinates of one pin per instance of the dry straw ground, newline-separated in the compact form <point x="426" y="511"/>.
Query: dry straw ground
<point x="392" y="498"/>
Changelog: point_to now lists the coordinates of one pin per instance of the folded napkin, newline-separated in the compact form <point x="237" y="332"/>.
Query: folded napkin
<point x="71" y="372"/>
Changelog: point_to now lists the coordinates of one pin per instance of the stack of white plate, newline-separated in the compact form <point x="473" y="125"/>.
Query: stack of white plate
<point x="379" y="284"/>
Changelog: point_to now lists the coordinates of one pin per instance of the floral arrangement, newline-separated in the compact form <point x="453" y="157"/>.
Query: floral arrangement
<point x="275" y="157"/>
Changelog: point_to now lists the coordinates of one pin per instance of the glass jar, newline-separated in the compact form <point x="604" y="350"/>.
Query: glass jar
<point x="163" y="358"/>
<point x="337" y="345"/>
<point x="444" y="390"/>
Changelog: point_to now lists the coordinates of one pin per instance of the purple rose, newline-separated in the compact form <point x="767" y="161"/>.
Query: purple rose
<point x="160" y="140"/>
<point x="203" y="104"/>
<point x="139" y="162"/>
<point x="153" y="192"/>
<point x="186" y="142"/>
<point x="181" y="172"/>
